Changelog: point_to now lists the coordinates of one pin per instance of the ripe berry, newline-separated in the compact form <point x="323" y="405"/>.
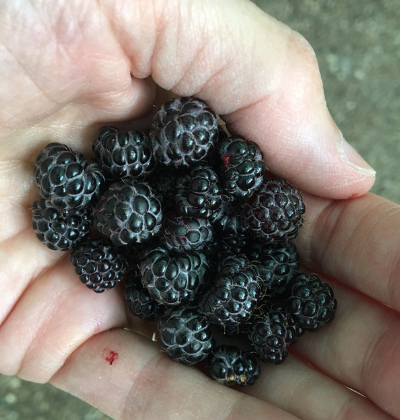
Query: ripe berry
<point x="99" y="265"/>
<point x="242" y="166"/>
<point x="173" y="278"/>
<point x="138" y="300"/>
<point x="274" y="212"/>
<point x="66" y="178"/>
<point x="311" y="302"/>
<point x="183" y="131"/>
<point x="233" y="298"/>
<point x="277" y="264"/>
<point x="182" y="234"/>
<point x="199" y="194"/>
<point x="128" y="212"/>
<point x="124" y="154"/>
<point x="60" y="229"/>
<point x="229" y="365"/>
<point x="185" y="335"/>
<point x="272" y="330"/>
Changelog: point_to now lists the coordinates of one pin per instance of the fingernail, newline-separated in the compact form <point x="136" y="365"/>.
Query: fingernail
<point x="351" y="157"/>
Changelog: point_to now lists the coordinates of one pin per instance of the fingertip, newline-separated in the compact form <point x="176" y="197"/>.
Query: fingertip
<point x="306" y="154"/>
<point x="351" y="157"/>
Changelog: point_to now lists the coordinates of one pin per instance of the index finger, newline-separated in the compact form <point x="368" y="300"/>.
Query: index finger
<point x="260" y="75"/>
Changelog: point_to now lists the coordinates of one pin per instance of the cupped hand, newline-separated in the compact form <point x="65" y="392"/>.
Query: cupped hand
<point x="70" y="67"/>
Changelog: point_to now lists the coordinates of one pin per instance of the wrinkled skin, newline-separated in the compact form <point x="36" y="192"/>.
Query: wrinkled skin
<point x="70" y="66"/>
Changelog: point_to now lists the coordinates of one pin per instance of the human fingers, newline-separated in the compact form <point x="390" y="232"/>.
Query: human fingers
<point x="360" y="349"/>
<point x="298" y="388"/>
<point x="125" y="375"/>
<point x="305" y="391"/>
<point x="356" y="242"/>
<point x="61" y="65"/>
<point x="145" y="383"/>
<point x="50" y="315"/>
<point x="261" y="76"/>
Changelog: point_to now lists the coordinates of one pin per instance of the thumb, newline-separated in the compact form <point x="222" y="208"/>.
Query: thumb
<point x="262" y="77"/>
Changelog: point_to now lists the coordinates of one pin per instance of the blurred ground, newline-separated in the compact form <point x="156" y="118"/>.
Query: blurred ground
<point x="358" y="49"/>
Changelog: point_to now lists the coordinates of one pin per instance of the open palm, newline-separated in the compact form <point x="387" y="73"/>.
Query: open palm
<point x="69" y="67"/>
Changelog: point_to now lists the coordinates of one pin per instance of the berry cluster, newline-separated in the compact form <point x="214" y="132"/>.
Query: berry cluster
<point x="199" y="229"/>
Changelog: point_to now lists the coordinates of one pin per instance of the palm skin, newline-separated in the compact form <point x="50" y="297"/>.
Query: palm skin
<point x="69" y="67"/>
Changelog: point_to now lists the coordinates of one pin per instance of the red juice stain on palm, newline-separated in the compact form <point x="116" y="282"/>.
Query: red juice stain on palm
<point x="109" y="355"/>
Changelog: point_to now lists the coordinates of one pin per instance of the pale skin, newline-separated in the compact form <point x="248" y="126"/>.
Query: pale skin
<point x="69" y="67"/>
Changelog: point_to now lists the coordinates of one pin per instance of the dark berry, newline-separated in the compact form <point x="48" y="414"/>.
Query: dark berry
<point x="274" y="212"/>
<point x="183" y="131"/>
<point x="128" y="212"/>
<point x="272" y="330"/>
<point x="242" y="166"/>
<point x="230" y="222"/>
<point x="277" y="264"/>
<point x="232" y="235"/>
<point x="199" y="194"/>
<point x="233" y="245"/>
<point x="98" y="264"/>
<point x="233" y="298"/>
<point x="60" y="229"/>
<point x="124" y="154"/>
<point x="229" y="365"/>
<point x="185" y="335"/>
<point x="187" y="233"/>
<point x="173" y="279"/>
<point x="138" y="300"/>
<point x="311" y="302"/>
<point x="66" y="178"/>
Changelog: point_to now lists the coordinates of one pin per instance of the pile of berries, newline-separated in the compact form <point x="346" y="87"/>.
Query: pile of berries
<point x="198" y="229"/>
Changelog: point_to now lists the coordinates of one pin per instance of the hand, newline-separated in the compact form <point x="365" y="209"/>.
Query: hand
<point x="70" y="67"/>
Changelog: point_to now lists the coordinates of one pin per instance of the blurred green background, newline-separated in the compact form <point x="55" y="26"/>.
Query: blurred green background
<point x="358" y="49"/>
